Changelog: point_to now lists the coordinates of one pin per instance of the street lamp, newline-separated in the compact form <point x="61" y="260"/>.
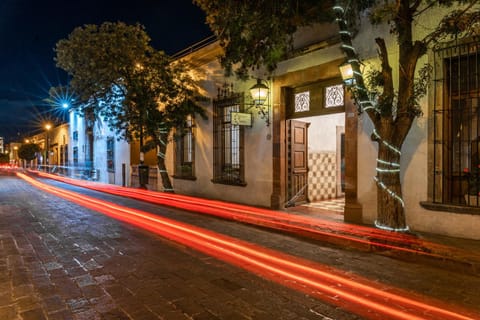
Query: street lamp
<point x="346" y="70"/>
<point x="259" y="94"/>
<point x="48" y="126"/>
<point x="15" y="155"/>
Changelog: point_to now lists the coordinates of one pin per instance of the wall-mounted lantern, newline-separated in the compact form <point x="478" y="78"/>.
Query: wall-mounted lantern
<point x="346" y="72"/>
<point x="260" y="97"/>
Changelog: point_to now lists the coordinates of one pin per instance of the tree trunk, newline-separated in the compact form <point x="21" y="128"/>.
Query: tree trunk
<point x="167" y="184"/>
<point x="390" y="206"/>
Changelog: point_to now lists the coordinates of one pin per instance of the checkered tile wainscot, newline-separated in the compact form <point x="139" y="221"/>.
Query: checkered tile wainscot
<point x="322" y="179"/>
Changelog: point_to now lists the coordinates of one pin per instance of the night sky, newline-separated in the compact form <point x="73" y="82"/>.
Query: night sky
<point x="29" y="30"/>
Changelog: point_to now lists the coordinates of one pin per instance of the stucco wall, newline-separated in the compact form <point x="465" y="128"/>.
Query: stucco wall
<point x="257" y="148"/>
<point x="101" y="132"/>
<point x="121" y="156"/>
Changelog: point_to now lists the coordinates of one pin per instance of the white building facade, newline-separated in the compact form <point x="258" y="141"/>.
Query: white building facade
<point x="96" y="154"/>
<point x="307" y="142"/>
<point x="313" y="150"/>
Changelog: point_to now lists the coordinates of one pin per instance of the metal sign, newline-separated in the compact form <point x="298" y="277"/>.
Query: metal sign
<point x="241" y="119"/>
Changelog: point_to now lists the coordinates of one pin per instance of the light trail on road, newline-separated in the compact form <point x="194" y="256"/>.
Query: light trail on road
<point x="351" y="292"/>
<point x="331" y="231"/>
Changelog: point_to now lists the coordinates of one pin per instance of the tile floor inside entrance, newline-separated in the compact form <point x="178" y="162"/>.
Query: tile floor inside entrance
<point x="328" y="209"/>
<point x="336" y="205"/>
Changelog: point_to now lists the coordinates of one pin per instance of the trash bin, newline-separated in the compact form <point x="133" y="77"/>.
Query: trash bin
<point x="143" y="175"/>
<point x="94" y="175"/>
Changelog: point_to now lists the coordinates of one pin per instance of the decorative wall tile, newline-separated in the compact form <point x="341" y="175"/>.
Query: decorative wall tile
<point x="322" y="179"/>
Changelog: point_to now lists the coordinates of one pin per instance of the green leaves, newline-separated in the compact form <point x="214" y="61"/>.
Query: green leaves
<point x="97" y="56"/>
<point x="122" y="79"/>
<point x="258" y="33"/>
<point x="27" y="151"/>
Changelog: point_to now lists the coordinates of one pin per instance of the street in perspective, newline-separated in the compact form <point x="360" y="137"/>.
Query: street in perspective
<point x="240" y="160"/>
<point x="61" y="260"/>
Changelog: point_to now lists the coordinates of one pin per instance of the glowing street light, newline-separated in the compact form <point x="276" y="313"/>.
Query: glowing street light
<point x="48" y="126"/>
<point x="346" y="71"/>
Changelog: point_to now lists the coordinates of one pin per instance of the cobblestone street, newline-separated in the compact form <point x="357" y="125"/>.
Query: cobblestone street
<point x="61" y="261"/>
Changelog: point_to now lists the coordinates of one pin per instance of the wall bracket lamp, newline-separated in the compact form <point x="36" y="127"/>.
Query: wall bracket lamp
<point x="261" y="100"/>
<point x="346" y="71"/>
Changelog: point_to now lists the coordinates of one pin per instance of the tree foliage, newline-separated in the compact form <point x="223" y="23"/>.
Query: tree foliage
<point x="256" y="33"/>
<point x="118" y="76"/>
<point x="393" y="109"/>
<point x="259" y="33"/>
<point x="28" y="151"/>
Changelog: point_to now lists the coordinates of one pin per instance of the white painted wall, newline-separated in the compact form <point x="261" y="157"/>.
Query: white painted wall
<point x="101" y="132"/>
<point x="258" y="150"/>
<point x="322" y="132"/>
<point x="77" y="123"/>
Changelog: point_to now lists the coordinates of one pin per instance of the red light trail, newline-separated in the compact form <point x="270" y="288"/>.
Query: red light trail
<point x="331" y="231"/>
<point x="354" y="293"/>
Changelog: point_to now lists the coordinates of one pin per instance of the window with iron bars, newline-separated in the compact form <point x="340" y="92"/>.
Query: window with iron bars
<point x="456" y="124"/>
<point x="228" y="140"/>
<point x="75" y="156"/>
<point x="185" y="150"/>
<point x="111" y="154"/>
<point x="65" y="150"/>
<point x="62" y="154"/>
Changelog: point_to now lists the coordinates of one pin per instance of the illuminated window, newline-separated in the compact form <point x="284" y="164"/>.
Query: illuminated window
<point x="228" y="164"/>
<point x="185" y="150"/>
<point x="302" y="101"/>
<point x="334" y="96"/>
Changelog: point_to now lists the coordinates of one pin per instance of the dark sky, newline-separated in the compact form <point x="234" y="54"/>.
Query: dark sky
<point x="29" y="30"/>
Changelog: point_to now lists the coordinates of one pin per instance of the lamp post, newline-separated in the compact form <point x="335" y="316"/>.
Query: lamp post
<point x="48" y="126"/>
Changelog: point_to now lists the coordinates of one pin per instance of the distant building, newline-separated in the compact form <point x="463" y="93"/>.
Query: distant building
<point x="53" y="145"/>
<point x="13" y="152"/>
<point x="95" y="153"/>
<point x="2" y="148"/>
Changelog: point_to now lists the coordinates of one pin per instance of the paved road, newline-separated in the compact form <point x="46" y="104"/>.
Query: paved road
<point x="61" y="261"/>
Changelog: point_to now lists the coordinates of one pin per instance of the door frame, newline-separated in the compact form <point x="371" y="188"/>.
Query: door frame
<point x="281" y="88"/>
